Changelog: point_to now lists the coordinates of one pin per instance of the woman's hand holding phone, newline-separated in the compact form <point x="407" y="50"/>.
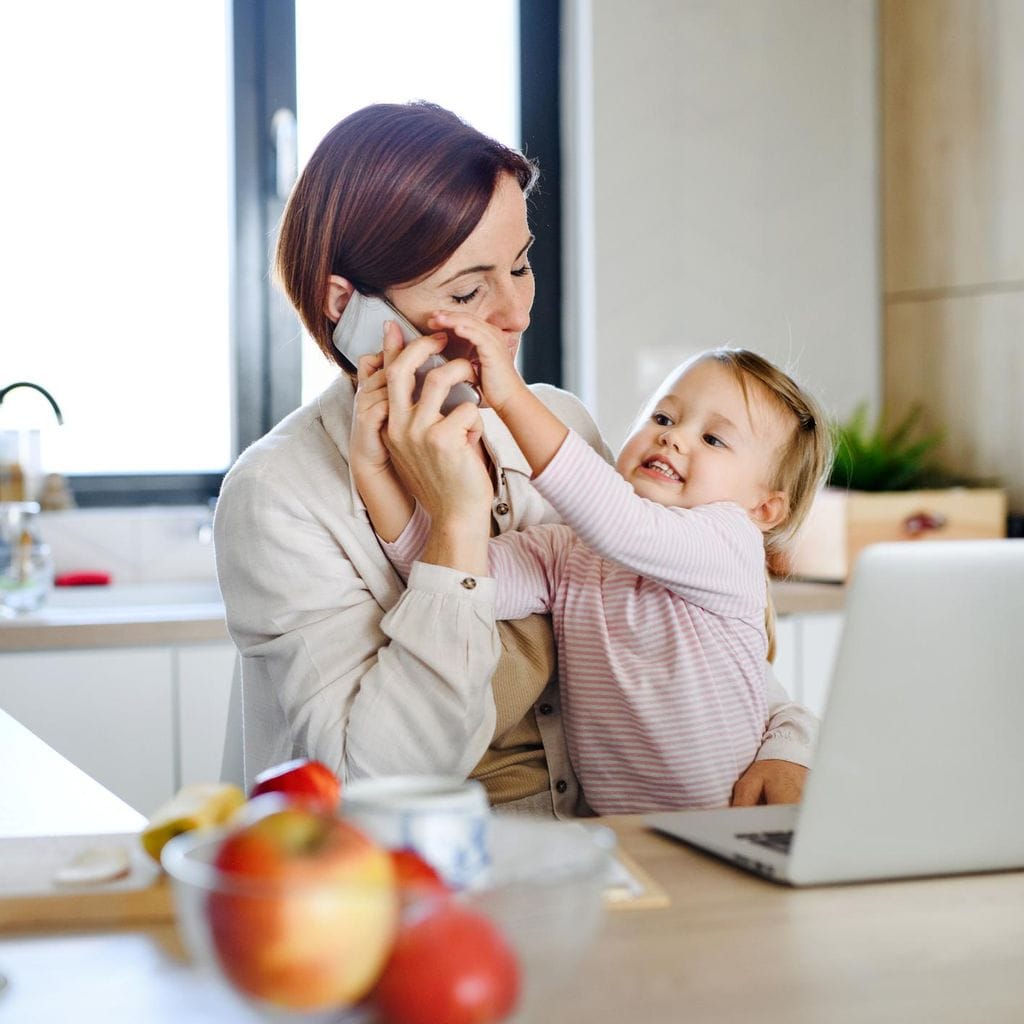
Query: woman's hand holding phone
<point x="438" y="457"/>
<point x="388" y="502"/>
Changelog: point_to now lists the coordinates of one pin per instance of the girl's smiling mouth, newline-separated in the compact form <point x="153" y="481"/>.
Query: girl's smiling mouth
<point x="660" y="470"/>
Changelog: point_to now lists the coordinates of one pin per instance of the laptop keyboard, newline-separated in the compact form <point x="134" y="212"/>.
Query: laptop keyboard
<point x="773" y="840"/>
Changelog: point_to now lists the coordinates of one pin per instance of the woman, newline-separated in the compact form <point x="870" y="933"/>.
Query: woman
<point x="339" y="661"/>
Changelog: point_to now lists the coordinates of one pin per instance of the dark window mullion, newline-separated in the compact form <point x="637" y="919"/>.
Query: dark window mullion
<point x="268" y="358"/>
<point x="540" y="36"/>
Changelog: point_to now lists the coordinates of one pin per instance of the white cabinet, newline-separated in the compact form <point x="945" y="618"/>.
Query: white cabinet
<point x="806" y="646"/>
<point x="140" y="720"/>
<point x="109" y="711"/>
<point x="203" y="685"/>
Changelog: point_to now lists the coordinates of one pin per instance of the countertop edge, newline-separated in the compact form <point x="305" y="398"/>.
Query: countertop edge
<point x="113" y="627"/>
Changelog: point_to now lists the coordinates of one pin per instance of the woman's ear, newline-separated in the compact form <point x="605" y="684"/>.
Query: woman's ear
<point x="339" y="291"/>
<point x="772" y="510"/>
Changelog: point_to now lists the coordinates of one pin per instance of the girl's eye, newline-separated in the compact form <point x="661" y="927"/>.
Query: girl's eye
<point x="661" y="419"/>
<point x="715" y="442"/>
<point x="463" y="299"/>
<point x="523" y="270"/>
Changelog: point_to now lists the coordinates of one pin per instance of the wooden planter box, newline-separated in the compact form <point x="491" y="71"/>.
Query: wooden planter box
<point x="842" y="522"/>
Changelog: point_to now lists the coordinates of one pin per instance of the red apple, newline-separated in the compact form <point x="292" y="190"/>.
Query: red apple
<point x="309" y="782"/>
<point x="416" y="878"/>
<point x="450" y="965"/>
<point x="307" y="910"/>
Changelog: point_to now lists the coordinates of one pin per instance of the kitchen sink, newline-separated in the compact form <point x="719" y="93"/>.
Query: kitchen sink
<point x="136" y="595"/>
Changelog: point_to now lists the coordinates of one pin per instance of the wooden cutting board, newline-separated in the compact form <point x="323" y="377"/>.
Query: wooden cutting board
<point x="31" y="898"/>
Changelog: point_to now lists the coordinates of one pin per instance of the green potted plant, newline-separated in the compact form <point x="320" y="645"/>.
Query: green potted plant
<point x="885" y="486"/>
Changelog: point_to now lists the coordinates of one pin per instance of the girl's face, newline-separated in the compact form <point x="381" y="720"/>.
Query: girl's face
<point x="489" y="275"/>
<point x="704" y="441"/>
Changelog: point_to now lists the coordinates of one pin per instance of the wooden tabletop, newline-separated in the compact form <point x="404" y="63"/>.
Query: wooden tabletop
<point x="728" y="948"/>
<point x="733" y="947"/>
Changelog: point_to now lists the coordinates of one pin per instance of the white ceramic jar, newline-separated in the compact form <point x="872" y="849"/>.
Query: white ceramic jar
<point x="445" y="819"/>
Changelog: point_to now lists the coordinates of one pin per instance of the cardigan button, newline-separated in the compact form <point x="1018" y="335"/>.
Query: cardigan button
<point x="561" y="785"/>
<point x="545" y="708"/>
<point x="501" y="508"/>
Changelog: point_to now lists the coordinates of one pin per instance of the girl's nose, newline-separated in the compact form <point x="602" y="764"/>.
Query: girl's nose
<point x="673" y="438"/>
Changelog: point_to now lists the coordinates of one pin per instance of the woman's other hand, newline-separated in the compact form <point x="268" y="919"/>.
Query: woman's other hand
<point x="368" y="454"/>
<point x="494" y="361"/>
<point x="770" y="781"/>
<point x="388" y="503"/>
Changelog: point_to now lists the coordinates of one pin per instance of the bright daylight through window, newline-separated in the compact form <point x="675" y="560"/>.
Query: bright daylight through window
<point x="115" y="223"/>
<point x="117" y="206"/>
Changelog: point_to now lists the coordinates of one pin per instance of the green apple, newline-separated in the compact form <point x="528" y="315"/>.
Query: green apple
<point x="306" y="912"/>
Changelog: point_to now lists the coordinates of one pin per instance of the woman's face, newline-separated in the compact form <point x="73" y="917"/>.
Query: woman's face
<point x="489" y="275"/>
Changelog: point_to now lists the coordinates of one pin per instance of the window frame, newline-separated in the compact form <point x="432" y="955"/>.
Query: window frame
<point x="265" y="334"/>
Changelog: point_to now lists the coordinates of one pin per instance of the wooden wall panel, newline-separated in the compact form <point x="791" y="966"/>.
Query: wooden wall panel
<point x="962" y="359"/>
<point x="953" y="143"/>
<point x="953" y="226"/>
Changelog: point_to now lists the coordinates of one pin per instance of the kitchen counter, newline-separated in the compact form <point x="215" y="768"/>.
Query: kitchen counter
<point x="727" y="947"/>
<point x="127" y="615"/>
<point x="140" y="614"/>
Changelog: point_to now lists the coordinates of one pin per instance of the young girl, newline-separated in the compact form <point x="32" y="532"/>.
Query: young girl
<point x="657" y="586"/>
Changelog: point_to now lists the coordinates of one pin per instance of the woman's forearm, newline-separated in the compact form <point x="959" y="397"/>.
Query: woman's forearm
<point x="388" y="503"/>
<point x="459" y="543"/>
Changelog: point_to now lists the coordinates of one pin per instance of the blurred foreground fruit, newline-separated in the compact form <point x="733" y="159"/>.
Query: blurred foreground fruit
<point x="450" y="965"/>
<point x="197" y="806"/>
<point x="416" y="878"/>
<point x="310" y="782"/>
<point x="312" y="916"/>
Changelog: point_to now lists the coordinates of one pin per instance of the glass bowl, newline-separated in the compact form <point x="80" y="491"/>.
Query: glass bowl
<point x="544" y="894"/>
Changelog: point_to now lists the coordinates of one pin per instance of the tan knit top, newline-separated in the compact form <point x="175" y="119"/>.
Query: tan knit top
<point x="514" y="765"/>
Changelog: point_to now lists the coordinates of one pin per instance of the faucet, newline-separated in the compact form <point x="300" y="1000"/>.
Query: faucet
<point x="38" y="387"/>
<point x="14" y="479"/>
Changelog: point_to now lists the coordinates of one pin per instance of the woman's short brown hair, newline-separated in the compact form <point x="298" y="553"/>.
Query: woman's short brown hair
<point x="389" y="194"/>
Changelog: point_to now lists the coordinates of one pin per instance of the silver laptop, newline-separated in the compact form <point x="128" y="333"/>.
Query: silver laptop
<point x="920" y="762"/>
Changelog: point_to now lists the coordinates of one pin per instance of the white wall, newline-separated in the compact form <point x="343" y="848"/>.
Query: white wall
<point x="721" y="188"/>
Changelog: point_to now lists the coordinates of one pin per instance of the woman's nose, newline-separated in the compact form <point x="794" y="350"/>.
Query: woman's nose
<point x="511" y="311"/>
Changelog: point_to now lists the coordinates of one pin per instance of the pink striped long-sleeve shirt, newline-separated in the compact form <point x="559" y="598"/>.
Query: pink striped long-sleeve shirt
<point x="659" y="620"/>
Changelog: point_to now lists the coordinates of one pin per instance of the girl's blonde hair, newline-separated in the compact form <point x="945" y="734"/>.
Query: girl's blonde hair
<point x="804" y="460"/>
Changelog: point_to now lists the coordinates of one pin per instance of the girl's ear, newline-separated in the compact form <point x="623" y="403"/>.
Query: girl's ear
<point x="772" y="510"/>
<point x="339" y="291"/>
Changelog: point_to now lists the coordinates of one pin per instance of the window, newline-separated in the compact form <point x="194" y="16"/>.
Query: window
<point x="142" y="209"/>
<point x="115" y="224"/>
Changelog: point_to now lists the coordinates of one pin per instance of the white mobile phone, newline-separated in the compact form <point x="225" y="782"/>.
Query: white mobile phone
<point x="360" y="332"/>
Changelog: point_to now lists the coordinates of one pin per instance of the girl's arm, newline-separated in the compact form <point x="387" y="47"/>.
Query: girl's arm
<point x="526" y="564"/>
<point x="712" y="556"/>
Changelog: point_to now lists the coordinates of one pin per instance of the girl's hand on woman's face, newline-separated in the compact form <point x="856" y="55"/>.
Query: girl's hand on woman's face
<point x="494" y="364"/>
<point x="438" y="458"/>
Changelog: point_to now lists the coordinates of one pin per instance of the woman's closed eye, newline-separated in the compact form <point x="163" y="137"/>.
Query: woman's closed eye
<point x="462" y="300"/>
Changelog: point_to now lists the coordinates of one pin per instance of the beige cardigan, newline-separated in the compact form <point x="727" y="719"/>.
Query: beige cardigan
<point x="339" y="661"/>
